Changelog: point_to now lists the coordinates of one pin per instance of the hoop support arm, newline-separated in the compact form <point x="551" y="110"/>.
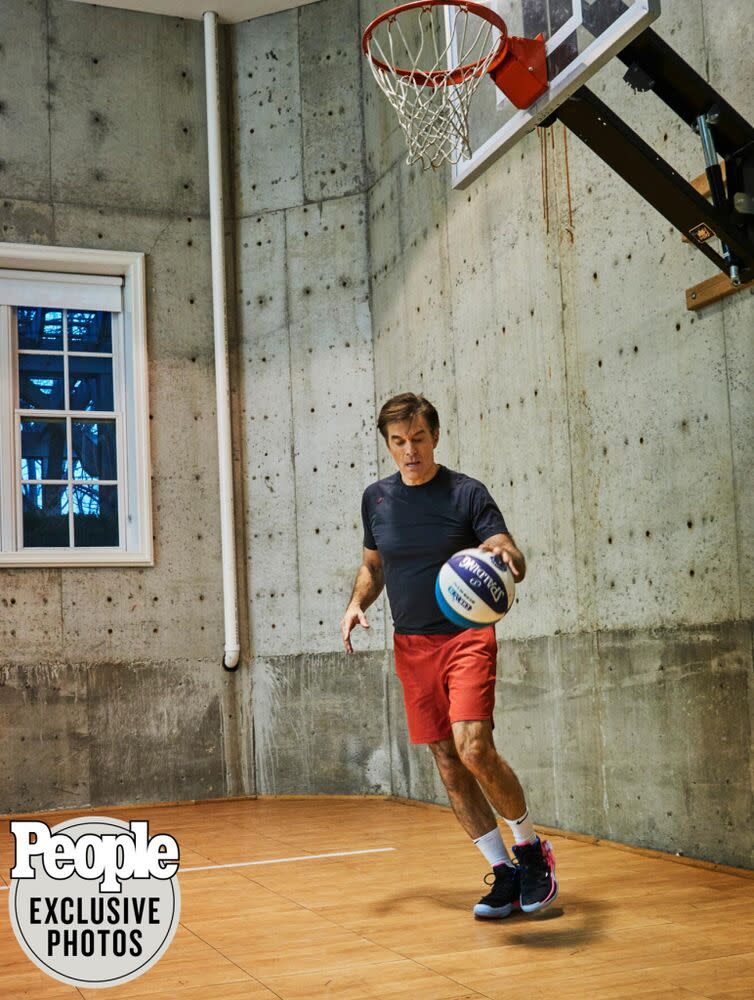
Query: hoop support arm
<point x="655" y="180"/>
<point x="522" y="74"/>
<point x="685" y="91"/>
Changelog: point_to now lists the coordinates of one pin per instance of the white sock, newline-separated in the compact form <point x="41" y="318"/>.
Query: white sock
<point x="492" y="847"/>
<point x="522" y="829"/>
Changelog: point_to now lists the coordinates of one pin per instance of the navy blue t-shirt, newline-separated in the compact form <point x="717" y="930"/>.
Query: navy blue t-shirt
<point x="416" y="529"/>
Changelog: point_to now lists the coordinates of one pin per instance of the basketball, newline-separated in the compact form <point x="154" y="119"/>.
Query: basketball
<point x="474" y="588"/>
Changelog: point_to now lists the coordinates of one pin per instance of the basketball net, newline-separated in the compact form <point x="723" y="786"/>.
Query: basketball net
<point x="433" y="102"/>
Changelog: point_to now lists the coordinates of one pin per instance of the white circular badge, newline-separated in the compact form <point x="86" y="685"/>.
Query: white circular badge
<point x="93" y="902"/>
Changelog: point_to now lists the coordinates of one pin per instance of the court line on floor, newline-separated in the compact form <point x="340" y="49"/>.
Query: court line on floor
<point x="276" y="861"/>
<point x="280" y="861"/>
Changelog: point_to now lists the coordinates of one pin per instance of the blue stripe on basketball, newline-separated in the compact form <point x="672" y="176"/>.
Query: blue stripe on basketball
<point x="479" y="586"/>
<point x="452" y="614"/>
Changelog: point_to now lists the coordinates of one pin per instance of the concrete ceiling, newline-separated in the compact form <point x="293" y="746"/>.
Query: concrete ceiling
<point x="229" y="11"/>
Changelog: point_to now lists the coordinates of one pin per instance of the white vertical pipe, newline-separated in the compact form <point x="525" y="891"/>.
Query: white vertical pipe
<point x="222" y="382"/>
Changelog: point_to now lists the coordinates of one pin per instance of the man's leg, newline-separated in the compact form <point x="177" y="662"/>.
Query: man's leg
<point x="477" y="818"/>
<point x="466" y="798"/>
<point x="477" y="752"/>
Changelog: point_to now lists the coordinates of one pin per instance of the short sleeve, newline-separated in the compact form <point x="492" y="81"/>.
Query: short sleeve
<point x="486" y="518"/>
<point x="369" y="542"/>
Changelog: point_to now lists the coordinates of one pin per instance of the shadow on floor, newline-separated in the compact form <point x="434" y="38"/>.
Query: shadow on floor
<point x="587" y="912"/>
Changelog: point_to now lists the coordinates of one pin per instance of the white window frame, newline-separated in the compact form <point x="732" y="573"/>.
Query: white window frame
<point x="131" y="373"/>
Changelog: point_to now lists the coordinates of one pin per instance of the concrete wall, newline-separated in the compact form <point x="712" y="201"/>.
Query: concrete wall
<point x="307" y="408"/>
<point x="612" y="426"/>
<point x="110" y="682"/>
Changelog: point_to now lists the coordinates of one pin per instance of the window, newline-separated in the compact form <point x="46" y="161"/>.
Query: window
<point x="74" y="463"/>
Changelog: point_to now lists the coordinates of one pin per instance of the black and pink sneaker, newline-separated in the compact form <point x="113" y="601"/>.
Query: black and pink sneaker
<point x="538" y="885"/>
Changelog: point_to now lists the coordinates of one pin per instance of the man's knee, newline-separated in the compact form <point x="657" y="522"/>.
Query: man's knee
<point x="448" y="762"/>
<point x="476" y="751"/>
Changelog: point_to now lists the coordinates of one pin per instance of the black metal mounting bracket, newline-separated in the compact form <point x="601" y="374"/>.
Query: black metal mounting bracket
<point x="654" y="65"/>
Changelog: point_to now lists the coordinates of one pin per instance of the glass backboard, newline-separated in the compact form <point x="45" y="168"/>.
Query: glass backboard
<point x="580" y="35"/>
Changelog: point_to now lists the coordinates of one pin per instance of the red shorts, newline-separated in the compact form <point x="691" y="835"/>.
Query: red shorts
<point x="446" y="679"/>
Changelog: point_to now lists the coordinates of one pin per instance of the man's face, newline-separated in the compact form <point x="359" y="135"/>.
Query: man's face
<point x="412" y="445"/>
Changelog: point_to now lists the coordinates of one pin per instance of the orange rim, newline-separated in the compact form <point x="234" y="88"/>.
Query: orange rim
<point x="441" y="77"/>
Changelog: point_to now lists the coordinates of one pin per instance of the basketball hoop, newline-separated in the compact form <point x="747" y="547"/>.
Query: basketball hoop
<point x="429" y="76"/>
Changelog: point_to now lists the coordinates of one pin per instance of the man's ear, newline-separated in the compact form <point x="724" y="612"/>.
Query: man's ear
<point x="436" y="437"/>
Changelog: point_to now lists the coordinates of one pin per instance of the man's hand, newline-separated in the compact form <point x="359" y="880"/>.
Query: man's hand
<point x="369" y="583"/>
<point x="353" y="616"/>
<point x="503" y="546"/>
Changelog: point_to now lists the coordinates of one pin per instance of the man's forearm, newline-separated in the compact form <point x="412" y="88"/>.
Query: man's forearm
<point x="367" y="587"/>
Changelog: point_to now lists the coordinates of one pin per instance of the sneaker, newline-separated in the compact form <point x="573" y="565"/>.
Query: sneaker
<point x="538" y="885"/>
<point x="504" y="895"/>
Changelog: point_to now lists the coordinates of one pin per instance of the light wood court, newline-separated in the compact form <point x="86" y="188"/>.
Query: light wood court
<point x="397" y="923"/>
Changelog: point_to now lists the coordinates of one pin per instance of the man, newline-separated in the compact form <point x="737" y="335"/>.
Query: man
<point x="413" y="521"/>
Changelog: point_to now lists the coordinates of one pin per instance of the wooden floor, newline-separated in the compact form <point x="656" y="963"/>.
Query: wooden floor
<point x="398" y="923"/>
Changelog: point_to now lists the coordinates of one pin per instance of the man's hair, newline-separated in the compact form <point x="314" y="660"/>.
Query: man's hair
<point x="406" y="406"/>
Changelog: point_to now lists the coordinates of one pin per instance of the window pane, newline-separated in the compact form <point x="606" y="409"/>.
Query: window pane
<point x="45" y="515"/>
<point x="95" y="515"/>
<point x="94" y="449"/>
<point x="40" y="382"/>
<point x="43" y="449"/>
<point x="89" y="331"/>
<point x="91" y="383"/>
<point x="40" y="329"/>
